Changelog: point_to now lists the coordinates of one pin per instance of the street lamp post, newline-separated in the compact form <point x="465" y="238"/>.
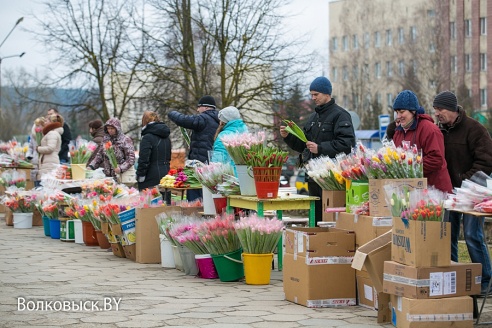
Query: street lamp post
<point x="1" y="59"/>
<point x="13" y="28"/>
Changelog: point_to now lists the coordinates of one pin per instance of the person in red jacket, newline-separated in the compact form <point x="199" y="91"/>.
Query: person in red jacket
<point x="419" y="129"/>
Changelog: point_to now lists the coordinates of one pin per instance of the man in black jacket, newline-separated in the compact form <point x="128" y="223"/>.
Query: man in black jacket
<point x="329" y="131"/>
<point x="204" y="125"/>
<point x="66" y="138"/>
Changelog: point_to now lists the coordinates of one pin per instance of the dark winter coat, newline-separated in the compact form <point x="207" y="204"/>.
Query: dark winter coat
<point x="154" y="155"/>
<point x="66" y="138"/>
<point x="97" y="136"/>
<point x="204" y="126"/>
<point x="468" y="148"/>
<point x="426" y="135"/>
<point x="330" y="127"/>
<point x="123" y="149"/>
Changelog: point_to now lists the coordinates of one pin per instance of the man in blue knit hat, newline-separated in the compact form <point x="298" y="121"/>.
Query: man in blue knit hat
<point x="329" y="131"/>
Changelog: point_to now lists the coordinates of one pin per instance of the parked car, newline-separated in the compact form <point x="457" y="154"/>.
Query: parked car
<point x="284" y="182"/>
<point x="288" y="169"/>
<point x="301" y="184"/>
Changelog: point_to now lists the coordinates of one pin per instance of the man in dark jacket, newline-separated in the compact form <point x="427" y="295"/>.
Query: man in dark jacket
<point x="329" y="132"/>
<point x="204" y="125"/>
<point x="66" y="138"/>
<point x="468" y="149"/>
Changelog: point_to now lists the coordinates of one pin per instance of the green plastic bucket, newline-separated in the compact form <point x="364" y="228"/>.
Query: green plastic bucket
<point x="229" y="266"/>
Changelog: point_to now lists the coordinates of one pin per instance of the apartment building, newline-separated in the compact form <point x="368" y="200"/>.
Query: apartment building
<point x="380" y="47"/>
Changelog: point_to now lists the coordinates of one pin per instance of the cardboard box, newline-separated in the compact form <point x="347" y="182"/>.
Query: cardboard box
<point x="130" y="252"/>
<point x="317" y="271"/>
<point x="377" y="199"/>
<point x="371" y="256"/>
<point x="118" y="250"/>
<point x="458" y="279"/>
<point x="331" y="199"/>
<point x="192" y="210"/>
<point x="368" y="296"/>
<point x="320" y="243"/>
<point x="356" y="194"/>
<point x="37" y="218"/>
<point x="9" y="217"/>
<point x="456" y="312"/>
<point x="366" y="227"/>
<point x="421" y="243"/>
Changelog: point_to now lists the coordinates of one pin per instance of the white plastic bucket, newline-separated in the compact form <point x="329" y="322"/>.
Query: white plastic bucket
<point x="177" y="258"/>
<point x="22" y="220"/>
<point x="167" y="256"/>
<point x="77" y="228"/>
<point x="246" y="180"/>
<point x="208" y="202"/>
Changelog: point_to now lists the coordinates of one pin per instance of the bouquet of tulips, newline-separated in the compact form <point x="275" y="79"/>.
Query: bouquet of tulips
<point x="240" y="144"/>
<point x="397" y="197"/>
<point x="13" y="179"/>
<point x="352" y="165"/>
<point x="213" y="174"/>
<point x="50" y="209"/>
<point x="258" y="235"/>
<point x="219" y="235"/>
<point x="165" y="222"/>
<point x="425" y="205"/>
<point x="186" y="234"/>
<point x="324" y="171"/>
<point x="81" y="151"/>
<point x="20" y="202"/>
<point x="108" y="147"/>
<point x="267" y="156"/>
<point x="295" y="130"/>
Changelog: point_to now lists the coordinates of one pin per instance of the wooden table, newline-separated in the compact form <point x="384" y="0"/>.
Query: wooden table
<point x="291" y="202"/>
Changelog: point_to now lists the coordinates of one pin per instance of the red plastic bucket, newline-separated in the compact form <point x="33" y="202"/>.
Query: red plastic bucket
<point x="89" y="234"/>
<point x="267" y="181"/>
<point x="220" y="203"/>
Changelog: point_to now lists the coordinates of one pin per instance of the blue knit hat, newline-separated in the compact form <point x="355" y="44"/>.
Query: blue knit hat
<point x="321" y="84"/>
<point x="406" y="100"/>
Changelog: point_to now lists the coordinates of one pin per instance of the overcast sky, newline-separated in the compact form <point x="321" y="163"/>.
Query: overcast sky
<point x="312" y="21"/>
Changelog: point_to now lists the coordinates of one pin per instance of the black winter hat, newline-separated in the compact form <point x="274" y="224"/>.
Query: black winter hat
<point x="446" y="100"/>
<point x="207" y="101"/>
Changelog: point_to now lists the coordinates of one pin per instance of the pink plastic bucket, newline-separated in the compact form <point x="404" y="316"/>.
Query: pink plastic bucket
<point x="206" y="266"/>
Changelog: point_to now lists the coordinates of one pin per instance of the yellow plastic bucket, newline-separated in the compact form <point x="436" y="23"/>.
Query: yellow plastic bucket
<point x="257" y="268"/>
<point x="78" y="171"/>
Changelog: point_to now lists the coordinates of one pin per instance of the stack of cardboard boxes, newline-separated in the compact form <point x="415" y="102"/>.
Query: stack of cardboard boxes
<point x="426" y="289"/>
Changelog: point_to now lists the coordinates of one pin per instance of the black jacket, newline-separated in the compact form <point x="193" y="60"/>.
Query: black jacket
<point x="204" y="126"/>
<point x="154" y="154"/>
<point x="330" y="127"/>
<point x="66" y="138"/>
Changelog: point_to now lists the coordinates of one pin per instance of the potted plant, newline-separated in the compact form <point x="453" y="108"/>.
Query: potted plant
<point x="258" y="237"/>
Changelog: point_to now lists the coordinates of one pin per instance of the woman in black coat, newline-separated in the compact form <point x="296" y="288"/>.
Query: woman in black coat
<point x="155" y="151"/>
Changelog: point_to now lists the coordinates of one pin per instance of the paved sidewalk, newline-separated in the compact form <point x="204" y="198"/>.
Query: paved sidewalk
<point x="38" y="268"/>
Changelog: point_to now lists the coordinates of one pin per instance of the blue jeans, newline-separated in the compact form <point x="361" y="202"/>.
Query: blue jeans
<point x="193" y="194"/>
<point x="475" y="242"/>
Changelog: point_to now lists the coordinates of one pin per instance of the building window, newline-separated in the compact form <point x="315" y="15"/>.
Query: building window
<point x="355" y="41"/>
<point x="334" y="44"/>
<point x="468" y="63"/>
<point x="377" y="70"/>
<point x="367" y="40"/>
<point x="378" y="98"/>
<point x="389" y="69"/>
<point x="389" y="38"/>
<point x="483" y="97"/>
<point x="345" y="73"/>
<point x="483" y="62"/>
<point x="468" y="28"/>
<point x="344" y="43"/>
<point x="413" y="33"/>
<point x="377" y="39"/>
<point x="483" y="25"/>
<point x="413" y="64"/>
<point x="452" y="30"/>
<point x="389" y="99"/>
<point x="401" y="35"/>
<point x="365" y="72"/>
<point x="334" y="74"/>
<point x="355" y="72"/>
<point x="401" y="68"/>
<point x="454" y="64"/>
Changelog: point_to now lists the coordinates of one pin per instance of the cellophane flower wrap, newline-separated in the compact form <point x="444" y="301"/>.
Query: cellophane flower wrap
<point x="219" y="235"/>
<point x="471" y="196"/>
<point x="212" y="174"/>
<point x="20" y="202"/>
<point x="165" y="222"/>
<point x="81" y="151"/>
<point x="425" y="205"/>
<point x="238" y="145"/>
<point x="397" y="197"/>
<point x="258" y="235"/>
<point x="324" y="171"/>
<point x="186" y="234"/>
<point x="108" y="147"/>
<point x="13" y="179"/>
<point x="352" y="165"/>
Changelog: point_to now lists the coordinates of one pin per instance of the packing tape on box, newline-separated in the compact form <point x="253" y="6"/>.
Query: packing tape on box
<point x="440" y="317"/>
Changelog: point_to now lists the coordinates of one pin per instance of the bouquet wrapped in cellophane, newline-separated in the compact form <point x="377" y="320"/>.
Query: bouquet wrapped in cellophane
<point x="425" y="205"/>
<point x="219" y="235"/>
<point x="238" y="145"/>
<point x="258" y="235"/>
<point x="325" y="172"/>
<point x="211" y="175"/>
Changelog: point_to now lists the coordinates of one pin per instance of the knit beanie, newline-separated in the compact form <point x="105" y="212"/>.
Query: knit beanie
<point x="228" y="114"/>
<point x="207" y="101"/>
<point x="406" y="100"/>
<point x="321" y="84"/>
<point x="446" y="100"/>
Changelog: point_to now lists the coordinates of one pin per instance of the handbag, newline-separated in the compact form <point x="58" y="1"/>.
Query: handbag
<point x="128" y="177"/>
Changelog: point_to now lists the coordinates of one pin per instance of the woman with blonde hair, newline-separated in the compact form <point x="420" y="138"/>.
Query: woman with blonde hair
<point x="32" y="155"/>
<point x="155" y="151"/>
<point x="50" y="145"/>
